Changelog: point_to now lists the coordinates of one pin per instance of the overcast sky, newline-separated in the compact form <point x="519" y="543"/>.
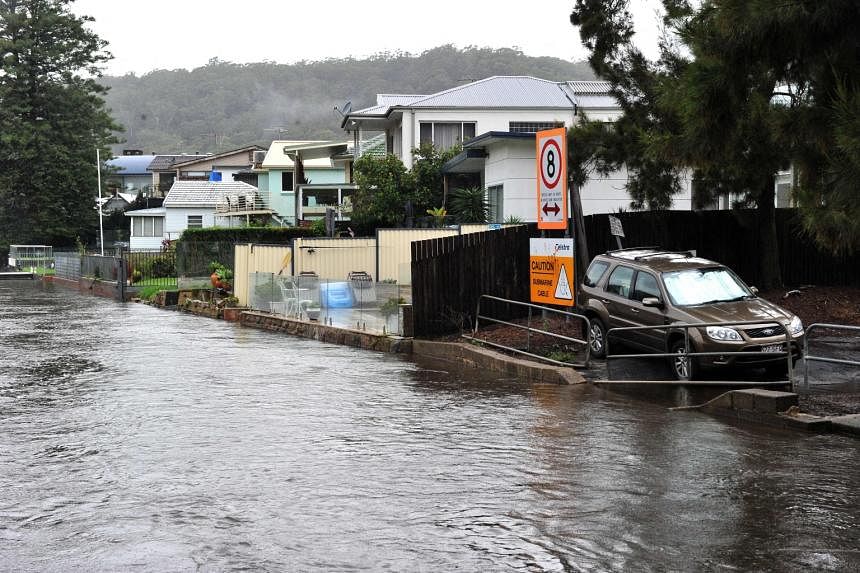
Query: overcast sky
<point x="145" y="35"/>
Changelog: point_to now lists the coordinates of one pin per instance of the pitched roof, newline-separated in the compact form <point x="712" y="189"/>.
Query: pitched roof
<point x="278" y="155"/>
<point x="130" y="164"/>
<point x="166" y="162"/>
<point x="220" y="155"/>
<point x="591" y="94"/>
<point x="204" y="193"/>
<point x="151" y="212"/>
<point x="500" y="92"/>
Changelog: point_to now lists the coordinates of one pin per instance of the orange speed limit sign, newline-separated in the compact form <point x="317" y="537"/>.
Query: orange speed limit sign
<point x="551" y="152"/>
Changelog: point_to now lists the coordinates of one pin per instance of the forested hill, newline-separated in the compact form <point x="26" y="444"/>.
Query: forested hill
<point x="224" y="106"/>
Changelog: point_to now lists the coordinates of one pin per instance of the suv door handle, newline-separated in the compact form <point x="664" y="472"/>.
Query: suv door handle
<point x="604" y="301"/>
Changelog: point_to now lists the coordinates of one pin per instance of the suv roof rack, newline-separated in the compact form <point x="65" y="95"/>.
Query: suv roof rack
<point x="685" y="253"/>
<point x="653" y="248"/>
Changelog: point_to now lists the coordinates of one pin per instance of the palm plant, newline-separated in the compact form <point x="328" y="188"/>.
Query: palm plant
<point x="469" y="205"/>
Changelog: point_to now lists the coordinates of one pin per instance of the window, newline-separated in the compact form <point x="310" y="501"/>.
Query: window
<point x="286" y="181"/>
<point x="533" y="126"/>
<point x="620" y="281"/>
<point x="704" y="286"/>
<point x="195" y="221"/>
<point x="445" y="135"/>
<point x="496" y="200"/>
<point x="147" y="226"/>
<point x="646" y="285"/>
<point x="595" y="272"/>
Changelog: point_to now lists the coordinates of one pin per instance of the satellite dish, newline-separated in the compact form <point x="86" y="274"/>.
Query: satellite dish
<point x="347" y="107"/>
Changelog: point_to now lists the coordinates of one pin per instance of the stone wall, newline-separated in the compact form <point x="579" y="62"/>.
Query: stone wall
<point x="323" y="333"/>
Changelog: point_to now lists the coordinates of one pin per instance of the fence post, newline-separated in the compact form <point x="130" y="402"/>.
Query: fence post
<point x="120" y="278"/>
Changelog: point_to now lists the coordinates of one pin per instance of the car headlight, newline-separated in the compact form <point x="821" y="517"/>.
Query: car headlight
<point x="722" y="333"/>
<point x="795" y="327"/>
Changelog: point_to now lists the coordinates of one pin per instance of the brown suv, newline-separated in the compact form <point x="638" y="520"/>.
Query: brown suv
<point x="654" y="287"/>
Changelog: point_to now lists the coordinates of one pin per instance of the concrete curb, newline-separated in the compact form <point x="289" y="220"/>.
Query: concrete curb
<point x="471" y="356"/>
<point x="779" y="409"/>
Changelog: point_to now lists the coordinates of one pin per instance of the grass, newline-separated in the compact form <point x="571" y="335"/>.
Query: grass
<point x="147" y="293"/>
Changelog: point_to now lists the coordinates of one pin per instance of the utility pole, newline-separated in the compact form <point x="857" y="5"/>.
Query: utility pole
<point x="99" y="205"/>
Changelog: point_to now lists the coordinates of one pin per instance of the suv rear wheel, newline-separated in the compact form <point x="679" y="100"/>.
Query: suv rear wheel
<point x="597" y="337"/>
<point x="683" y="366"/>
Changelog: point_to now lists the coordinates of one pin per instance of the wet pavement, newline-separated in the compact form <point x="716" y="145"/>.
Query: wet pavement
<point x="136" y="439"/>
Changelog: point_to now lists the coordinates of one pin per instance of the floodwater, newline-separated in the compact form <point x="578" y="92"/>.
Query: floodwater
<point x="137" y="439"/>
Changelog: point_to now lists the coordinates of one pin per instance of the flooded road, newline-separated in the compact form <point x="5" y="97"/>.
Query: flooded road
<point x="136" y="439"/>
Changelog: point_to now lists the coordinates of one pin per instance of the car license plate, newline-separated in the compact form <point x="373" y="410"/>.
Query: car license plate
<point x="773" y="348"/>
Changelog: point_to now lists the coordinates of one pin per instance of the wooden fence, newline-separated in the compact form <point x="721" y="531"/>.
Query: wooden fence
<point x="449" y="274"/>
<point x="731" y="238"/>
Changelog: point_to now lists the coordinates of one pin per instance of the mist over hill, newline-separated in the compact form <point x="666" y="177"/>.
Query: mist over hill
<point x="223" y="105"/>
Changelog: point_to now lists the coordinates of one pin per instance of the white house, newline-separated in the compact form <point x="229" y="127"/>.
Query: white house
<point x="194" y="204"/>
<point x="495" y="120"/>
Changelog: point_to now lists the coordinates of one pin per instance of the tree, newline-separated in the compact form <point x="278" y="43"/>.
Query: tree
<point x="384" y="191"/>
<point x="740" y="91"/>
<point x="52" y="119"/>
<point x="427" y="173"/>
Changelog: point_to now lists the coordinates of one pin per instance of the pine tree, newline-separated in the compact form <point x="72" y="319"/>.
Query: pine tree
<point x="52" y="119"/>
<point x="741" y="90"/>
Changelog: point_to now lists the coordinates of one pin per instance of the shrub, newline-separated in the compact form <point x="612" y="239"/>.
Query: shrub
<point x="158" y="266"/>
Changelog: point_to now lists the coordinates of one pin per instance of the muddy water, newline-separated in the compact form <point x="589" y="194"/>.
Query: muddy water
<point x="134" y="439"/>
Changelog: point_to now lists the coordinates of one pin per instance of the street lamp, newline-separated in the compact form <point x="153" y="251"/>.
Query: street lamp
<point x="99" y="183"/>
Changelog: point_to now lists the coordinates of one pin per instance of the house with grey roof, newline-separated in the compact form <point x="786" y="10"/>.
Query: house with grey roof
<point x="128" y="173"/>
<point x="163" y="173"/>
<point x="195" y="204"/>
<point x="495" y="120"/>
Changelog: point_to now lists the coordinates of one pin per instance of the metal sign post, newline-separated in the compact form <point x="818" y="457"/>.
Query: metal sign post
<point x="616" y="230"/>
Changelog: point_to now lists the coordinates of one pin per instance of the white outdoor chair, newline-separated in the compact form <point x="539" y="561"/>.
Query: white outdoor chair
<point x="289" y="303"/>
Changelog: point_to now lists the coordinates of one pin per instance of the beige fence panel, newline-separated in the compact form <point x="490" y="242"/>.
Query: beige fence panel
<point x="395" y="251"/>
<point x="335" y="258"/>
<point x="258" y="259"/>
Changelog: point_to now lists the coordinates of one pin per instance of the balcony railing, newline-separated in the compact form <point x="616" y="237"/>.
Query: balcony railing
<point x="242" y="204"/>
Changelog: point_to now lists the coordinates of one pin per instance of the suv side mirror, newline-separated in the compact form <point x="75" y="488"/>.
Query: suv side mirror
<point x="652" y="301"/>
<point x="754" y="290"/>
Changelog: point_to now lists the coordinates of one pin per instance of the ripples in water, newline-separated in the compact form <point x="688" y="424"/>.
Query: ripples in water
<point x="146" y="440"/>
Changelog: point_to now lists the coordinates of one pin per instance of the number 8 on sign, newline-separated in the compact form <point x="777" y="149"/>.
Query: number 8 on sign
<point x="550" y="162"/>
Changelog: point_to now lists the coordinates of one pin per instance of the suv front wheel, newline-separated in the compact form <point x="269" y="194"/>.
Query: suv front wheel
<point x="683" y="366"/>
<point x="597" y="337"/>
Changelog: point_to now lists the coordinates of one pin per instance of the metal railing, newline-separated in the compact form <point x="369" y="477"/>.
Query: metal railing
<point x="686" y="328"/>
<point x="807" y="358"/>
<point x="528" y="328"/>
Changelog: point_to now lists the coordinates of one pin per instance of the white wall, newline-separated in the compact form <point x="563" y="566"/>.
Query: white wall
<point x="485" y="120"/>
<point x="511" y="164"/>
<point x="176" y="219"/>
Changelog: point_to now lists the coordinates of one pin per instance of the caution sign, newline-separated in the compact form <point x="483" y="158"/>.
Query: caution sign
<point x="551" y="156"/>
<point x="551" y="271"/>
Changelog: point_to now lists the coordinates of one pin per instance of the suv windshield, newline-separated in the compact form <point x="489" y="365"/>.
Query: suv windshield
<point x="701" y="286"/>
